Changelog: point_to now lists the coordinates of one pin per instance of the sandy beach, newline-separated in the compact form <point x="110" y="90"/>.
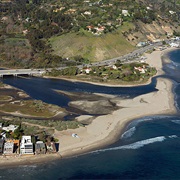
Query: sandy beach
<point x="106" y="129"/>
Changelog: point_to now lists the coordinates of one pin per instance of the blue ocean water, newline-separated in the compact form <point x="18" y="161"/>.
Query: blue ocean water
<point x="148" y="149"/>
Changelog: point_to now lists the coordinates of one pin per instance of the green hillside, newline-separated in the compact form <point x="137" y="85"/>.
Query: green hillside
<point x="94" y="48"/>
<point x="45" y="33"/>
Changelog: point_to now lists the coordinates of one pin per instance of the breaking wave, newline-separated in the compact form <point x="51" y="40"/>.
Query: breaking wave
<point x="128" y="133"/>
<point x="137" y="144"/>
<point x="173" y="136"/>
<point x="176" y="121"/>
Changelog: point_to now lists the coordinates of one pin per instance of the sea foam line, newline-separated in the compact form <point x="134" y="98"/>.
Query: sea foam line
<point x="135" y="145"/>
<point x="176" y="121"/>
<point x="128" y="133"/>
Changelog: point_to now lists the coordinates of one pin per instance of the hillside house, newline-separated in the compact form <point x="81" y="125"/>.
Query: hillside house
<point x="87" y="70"/>
<point x="99" y="29"/>
<point x="87" y="13"/>
<point x="26" y="146"/>
<point x="141" y="44"/>
<point x="8" y="148"/>
<point x="40" y="148"/>
<point x="125" y="13"/>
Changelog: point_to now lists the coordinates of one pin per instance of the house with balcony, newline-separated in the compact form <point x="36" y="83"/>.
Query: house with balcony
<point x="8" y="148"/>
<point x="16" y="143"/>
<point x="51" y="148"/>
<point x="26" y="145"/>
<point x="40" y="148"/>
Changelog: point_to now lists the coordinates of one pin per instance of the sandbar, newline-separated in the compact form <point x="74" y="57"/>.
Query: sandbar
<point x="104" y="130"/>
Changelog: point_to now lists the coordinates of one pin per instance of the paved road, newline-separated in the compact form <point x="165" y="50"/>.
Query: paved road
<point x="126" y="58"/>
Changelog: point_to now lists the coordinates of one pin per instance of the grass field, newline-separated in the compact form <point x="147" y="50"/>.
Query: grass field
<point x="94" y="48"/>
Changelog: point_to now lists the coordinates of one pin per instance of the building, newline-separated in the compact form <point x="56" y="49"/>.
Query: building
<point x="51" y="148"/>
<point x="174" y="45"/>
<point x="26" y="146"/>
<point x="1" y="146"/>
<point x="11" y="127"/>
<point x="141" y="44"/>
<point x="125" y="12"/>
<point x="16" y="143"/>
<point x="40" y="148"/>
<point x="8" y="148"/>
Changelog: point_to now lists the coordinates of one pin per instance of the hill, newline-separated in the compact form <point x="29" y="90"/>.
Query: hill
<point x="88" y="46"/>
<point x="46" y="33"/>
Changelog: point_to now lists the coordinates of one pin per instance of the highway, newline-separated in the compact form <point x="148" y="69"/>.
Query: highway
<point x="130" y="57"/>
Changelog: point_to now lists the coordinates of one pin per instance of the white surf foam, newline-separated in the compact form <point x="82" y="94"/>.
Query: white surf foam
<point x="173" y="136"/>
<point x="135" y="145"/>
<point x="176" y="121"/>
<point x="128" y="133"/>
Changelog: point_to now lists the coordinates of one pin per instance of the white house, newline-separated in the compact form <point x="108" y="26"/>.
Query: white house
<point x="8" y="147"/>
<point x="172" y="12"/>
<point x="174" y="45"/>
<point x="140" y="69"/>
<point x="114" y="67"/>
<point x="11" y="127"/>
<point x="87" y="70"/>
<point x="87" y="13"/>
<point x="125" y="12"/>
<point x="141" y="44"/>
<point x="26" y="146"/>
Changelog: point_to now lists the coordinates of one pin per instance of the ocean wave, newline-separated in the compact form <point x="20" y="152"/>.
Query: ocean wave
<point x="137" y="121"/>
<point x="171" y="66"/>
<point x="176" y="121"/>
<point x="135" y="145"/>
<point x="173" y="136"/>
<point x="147" y="118"/>
<point x="175" y="63"/>
<point x="128" y="133"/>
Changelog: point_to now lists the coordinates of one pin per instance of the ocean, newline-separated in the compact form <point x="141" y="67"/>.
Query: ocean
<point x="149" y="148"/>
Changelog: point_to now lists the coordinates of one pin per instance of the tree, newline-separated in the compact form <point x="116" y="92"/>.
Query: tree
<point x="18" y="132"/>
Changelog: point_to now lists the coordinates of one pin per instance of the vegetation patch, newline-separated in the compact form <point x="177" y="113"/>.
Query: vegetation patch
<point x="127" y="72"/>
<point x="5" y="98"/>
<point x="31" y="107"/>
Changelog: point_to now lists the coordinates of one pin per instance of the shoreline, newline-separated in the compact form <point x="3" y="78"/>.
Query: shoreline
<point x="104" y="130"/>
<point x="93" y="136"/>
<point x="158" y="66"/>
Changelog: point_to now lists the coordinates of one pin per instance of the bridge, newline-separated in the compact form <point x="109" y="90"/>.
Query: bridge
<point x="16" y="72"/>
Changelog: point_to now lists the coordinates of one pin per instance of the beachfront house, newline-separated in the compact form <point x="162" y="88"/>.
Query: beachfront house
<point x="16" y="143"/>
<point x="11" y="127"/>
<point x="1" y="146"/>
<point x="51" y="148"/>
<point x="40" y="148"/>
<point x="8" y="148"/>
<point x="26" y="146"/>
